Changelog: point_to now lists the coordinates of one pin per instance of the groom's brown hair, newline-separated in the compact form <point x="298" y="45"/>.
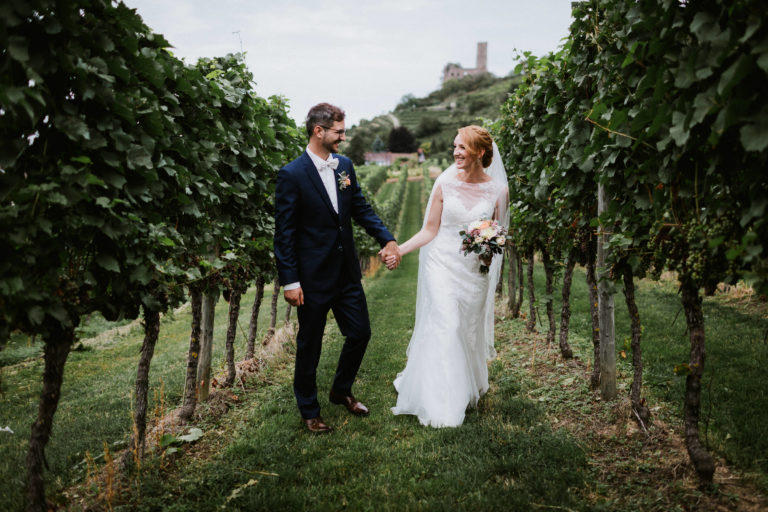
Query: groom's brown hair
<point x="323" y="114"/>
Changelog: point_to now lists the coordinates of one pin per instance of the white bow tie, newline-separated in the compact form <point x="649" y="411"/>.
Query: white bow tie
<point x="332" y="163"/>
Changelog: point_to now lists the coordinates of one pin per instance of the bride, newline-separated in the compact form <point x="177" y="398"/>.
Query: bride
<point x="452" y="338"/>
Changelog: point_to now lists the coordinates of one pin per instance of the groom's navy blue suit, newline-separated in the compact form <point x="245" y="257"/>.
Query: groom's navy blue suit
<point x="314" y="246"/>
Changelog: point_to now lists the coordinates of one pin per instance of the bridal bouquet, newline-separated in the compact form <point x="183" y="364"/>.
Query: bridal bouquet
<point x="484" y="238"/>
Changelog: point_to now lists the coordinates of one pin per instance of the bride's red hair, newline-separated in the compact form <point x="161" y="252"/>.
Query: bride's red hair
<point x="478" y="140"/>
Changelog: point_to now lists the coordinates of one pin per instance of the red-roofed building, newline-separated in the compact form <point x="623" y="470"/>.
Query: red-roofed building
<point x="385" y="158"/>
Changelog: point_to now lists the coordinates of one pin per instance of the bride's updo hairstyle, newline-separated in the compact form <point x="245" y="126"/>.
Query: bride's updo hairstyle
<point x="478" y="139"/>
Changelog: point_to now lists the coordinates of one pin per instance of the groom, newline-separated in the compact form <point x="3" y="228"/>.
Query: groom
<point x="316" y="197"/>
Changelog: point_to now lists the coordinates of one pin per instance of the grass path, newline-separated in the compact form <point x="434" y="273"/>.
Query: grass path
<point x="505" y="455"/>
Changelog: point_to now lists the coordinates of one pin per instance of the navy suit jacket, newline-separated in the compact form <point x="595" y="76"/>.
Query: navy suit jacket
<point x="313" y="244"/>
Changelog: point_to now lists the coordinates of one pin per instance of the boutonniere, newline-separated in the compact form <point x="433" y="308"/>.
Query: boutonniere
<point x="343" y="180"/>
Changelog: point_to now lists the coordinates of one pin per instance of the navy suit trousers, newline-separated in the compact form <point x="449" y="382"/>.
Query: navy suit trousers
<point x="351" y="312"/>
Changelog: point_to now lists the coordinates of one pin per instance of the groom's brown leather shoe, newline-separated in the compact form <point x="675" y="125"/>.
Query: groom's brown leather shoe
<point x="317" y="426"/>
<point x="350" y="402"/>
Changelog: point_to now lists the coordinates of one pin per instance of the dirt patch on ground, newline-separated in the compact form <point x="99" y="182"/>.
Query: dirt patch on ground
<point x="739" y="296"/>
<point x="221" y="399"/>
<point x="742" y="297"/>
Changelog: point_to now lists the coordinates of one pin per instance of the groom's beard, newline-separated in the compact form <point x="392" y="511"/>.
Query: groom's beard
<point x="332" y="146"/>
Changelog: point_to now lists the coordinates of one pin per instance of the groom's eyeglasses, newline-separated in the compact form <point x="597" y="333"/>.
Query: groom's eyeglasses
<point x="337" y="132"/>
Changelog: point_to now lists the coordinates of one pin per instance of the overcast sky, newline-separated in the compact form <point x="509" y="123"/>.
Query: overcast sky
<point x="362" y="55"/>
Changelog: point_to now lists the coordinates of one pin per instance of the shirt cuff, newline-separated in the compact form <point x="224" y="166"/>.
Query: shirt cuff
<point x="292" y="286"/>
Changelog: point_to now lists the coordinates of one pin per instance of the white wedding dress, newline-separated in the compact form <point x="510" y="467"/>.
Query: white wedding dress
<point x="452" y="337"/>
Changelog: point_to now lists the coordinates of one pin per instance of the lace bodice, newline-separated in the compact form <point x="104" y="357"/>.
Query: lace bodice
<point x="467" y="202"/>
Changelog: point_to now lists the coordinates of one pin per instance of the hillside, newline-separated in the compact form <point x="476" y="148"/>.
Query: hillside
<point x="433" y="120"/>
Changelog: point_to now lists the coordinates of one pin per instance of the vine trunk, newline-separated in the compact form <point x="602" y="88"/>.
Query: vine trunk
<point x="273" y="314"/>
<point x="531" y="324"/>
<point x="57" y="347"/>
<point x="549" y="272"/>
<point x="694" y="317"/>
<point x="512" y="282"/>
<point x="565" y="311"/>
<point x="638" y="404"/>
<point x="190" y="385"/>
<point x="521" y="285"/>
<point x="254" y="324"/>
<point x="234" y="312"/>
<point x="135" y="450"/>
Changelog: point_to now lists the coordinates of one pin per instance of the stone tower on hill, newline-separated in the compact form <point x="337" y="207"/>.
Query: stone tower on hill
<point x="452" y="71"/>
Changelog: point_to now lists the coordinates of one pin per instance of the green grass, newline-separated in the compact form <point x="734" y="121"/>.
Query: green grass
<point x="95" y="402"/>
<point x="386" y="191"/>
<point x="506" y="456"/>
<point x="734" y="406"/>
<point x="21" y="347"/>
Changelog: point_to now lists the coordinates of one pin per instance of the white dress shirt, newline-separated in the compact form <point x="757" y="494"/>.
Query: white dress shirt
<point x="329" y="181"/>
<point x="327" y="176"/>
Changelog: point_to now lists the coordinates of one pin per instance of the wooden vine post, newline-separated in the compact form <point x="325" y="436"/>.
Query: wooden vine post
<point x="605" y="307"/>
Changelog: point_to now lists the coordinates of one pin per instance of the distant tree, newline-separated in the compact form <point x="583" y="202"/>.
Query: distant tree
<point x="356" y="147"/>
<point x="378" y="145"/>
<point x="401" y="140"/>
<point x="407" y="102"/>
<point x="428" y="126"/>
<point x="439" y="147"/>
<point x="479" y="102"/>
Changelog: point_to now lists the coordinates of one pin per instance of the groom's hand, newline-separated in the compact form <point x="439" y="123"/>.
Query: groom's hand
<point x="294" y="297"/>
<point x="390" y="255"/>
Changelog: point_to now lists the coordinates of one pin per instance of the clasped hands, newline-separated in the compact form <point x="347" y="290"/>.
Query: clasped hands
<point x="390" y="255"/>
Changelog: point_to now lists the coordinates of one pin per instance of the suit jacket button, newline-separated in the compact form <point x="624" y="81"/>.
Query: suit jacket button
<point x="340" y="248"/>
<point x="341" y="228"/>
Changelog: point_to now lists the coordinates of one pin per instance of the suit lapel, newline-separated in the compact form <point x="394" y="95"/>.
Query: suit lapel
<point x="314" y="178"/>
